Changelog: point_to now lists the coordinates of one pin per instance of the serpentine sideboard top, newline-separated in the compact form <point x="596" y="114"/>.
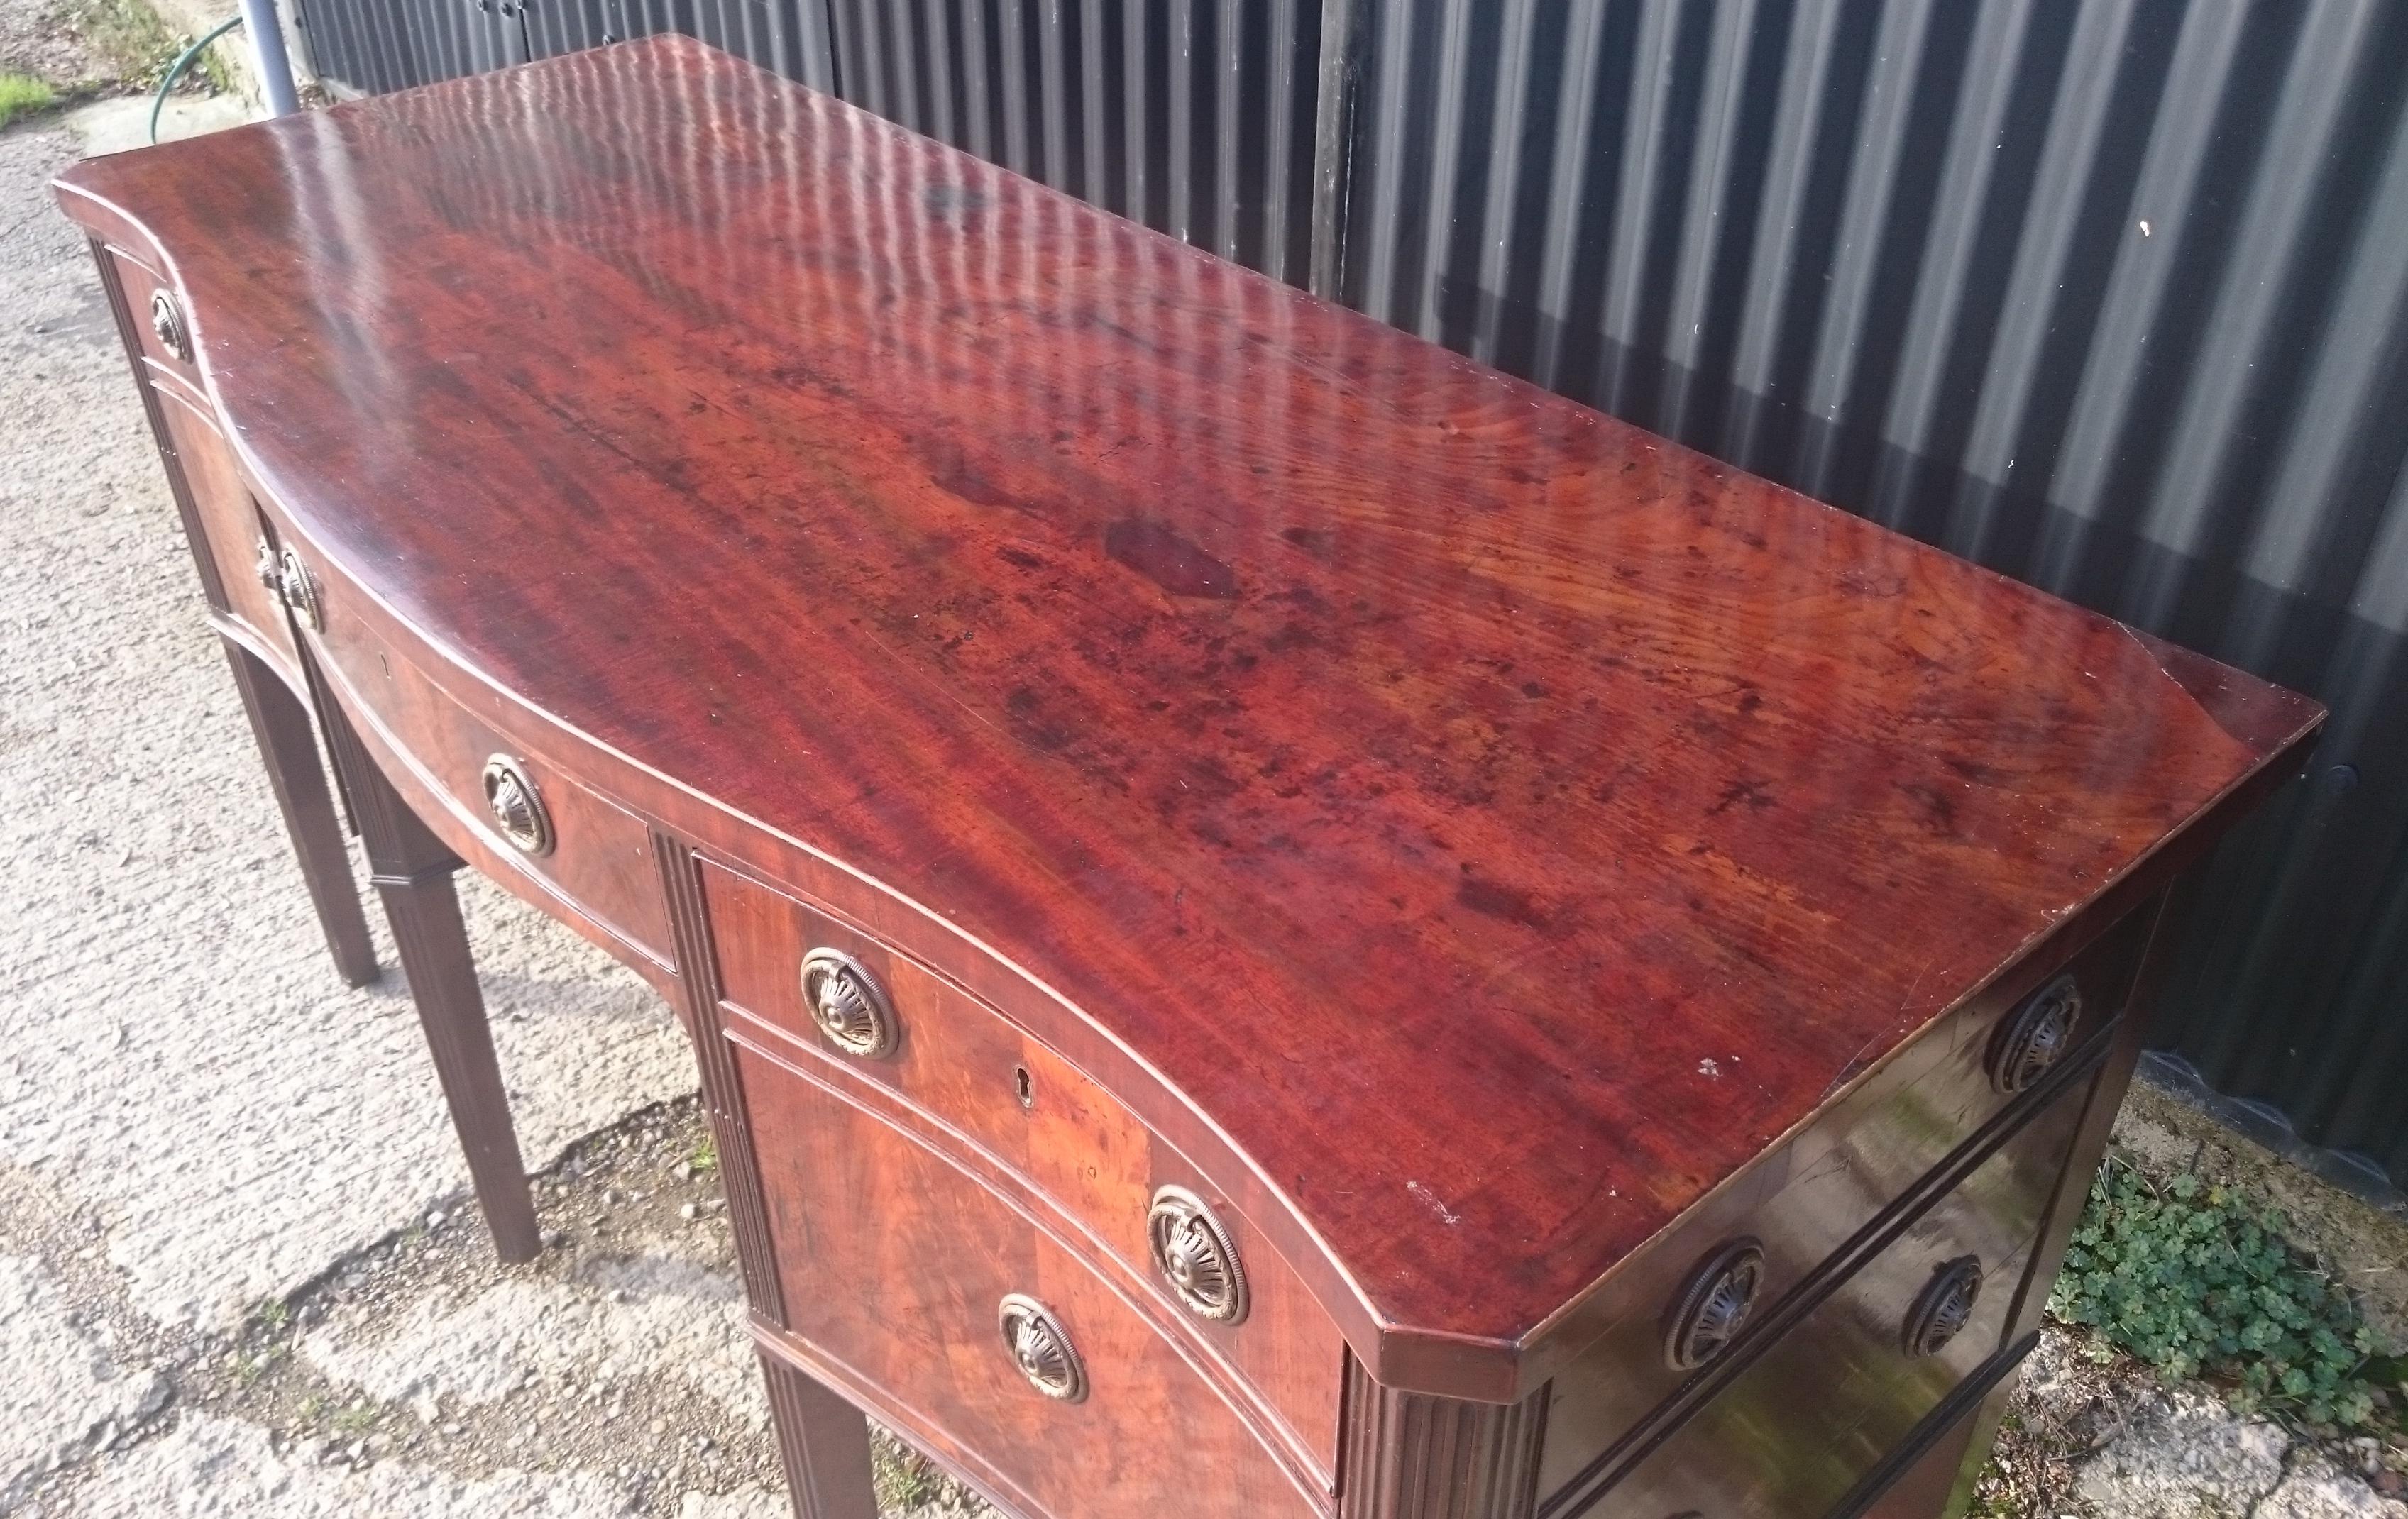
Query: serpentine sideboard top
<point x="1494" y="823"/>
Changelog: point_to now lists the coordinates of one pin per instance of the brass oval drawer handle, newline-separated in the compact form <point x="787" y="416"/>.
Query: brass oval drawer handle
<point x="848" y="1004"/>
<point x="1196" y="1255"/>
<point x="2036" y="1035"/>
<point x="1035" y="1340"/>
<point x="1944" y="1305"/>
<point x="517" y="812"/>
<point x="267" y="569"/>
<point x="167" y="326"/>
<point x="299" y="589"/>
<point x="1709" y="1315"/>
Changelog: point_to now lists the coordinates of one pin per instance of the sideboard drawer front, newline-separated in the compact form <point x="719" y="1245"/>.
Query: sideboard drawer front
<point x="951" y="1056"/>
<point x="228" y="520"/>
<point x="894" y="1265"/>
<point x="1807" y="1199"/>
<point x="1798" y="1428"/>
<point x="161" y="322"/>
<point x="1002" y="1089"/>
<point x="1849" y="1166"/>
<point x="596" y="855"/>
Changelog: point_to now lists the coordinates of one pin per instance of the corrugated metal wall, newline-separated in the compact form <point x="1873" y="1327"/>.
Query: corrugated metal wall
<point x="2109" y="294"/>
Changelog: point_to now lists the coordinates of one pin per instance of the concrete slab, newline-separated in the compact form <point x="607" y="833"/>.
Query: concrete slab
<point x="64" y="1392"/>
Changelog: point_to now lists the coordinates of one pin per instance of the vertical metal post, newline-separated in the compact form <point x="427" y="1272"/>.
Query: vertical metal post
<point x="1332" y="144"/>
<point x="267" y="53"/>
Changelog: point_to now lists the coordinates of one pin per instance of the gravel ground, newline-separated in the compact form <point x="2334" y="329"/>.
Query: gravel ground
<point x="237" y="1275"/>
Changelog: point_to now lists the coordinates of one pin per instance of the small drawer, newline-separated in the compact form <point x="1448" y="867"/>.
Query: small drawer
<point x="161" y="323"/>
<point x="987" y="1083"/>
<point x="979" y="1334"/>
<point x="237" y="543"/>
<point x="499" y="792"/>
<point x="1799" y="1425"/>
<point x="1803" y="1201"/>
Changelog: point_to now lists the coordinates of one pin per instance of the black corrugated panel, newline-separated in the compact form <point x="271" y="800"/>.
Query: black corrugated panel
<point x="1192" y="116"/>
<point x="2108" y="295"/>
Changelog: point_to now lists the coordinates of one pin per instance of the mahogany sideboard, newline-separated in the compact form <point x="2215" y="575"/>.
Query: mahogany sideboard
<point x="1274" y="922"/>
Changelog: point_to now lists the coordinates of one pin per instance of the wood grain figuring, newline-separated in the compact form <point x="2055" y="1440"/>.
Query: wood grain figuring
<point x="892" y="1263"/>
<point x="962" y="1064"/>
<point x="1414" y="1457"/>
<point x="1472" y="828"/>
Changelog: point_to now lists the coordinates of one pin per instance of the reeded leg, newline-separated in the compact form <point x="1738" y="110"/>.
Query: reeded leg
<point x="281" y="725"/>
<point x="412" y="872"/>
<point x="824" y="1442"/>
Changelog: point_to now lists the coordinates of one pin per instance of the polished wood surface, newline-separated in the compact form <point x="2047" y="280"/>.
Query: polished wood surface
<point x="1471" y="828"/>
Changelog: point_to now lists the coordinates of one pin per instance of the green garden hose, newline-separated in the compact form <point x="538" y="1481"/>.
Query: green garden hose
<point x="184" y="60"/>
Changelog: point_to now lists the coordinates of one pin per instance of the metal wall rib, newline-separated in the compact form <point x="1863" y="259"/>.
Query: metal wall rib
<point x="1192" y="116"/>
<point x="2109" y="294"/>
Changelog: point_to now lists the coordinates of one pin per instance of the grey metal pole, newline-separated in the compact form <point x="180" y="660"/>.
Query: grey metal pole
<point x="266" y="31"/>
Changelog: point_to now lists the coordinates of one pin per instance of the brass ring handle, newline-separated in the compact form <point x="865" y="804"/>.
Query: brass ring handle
<point x="848" y="1004"/>
<point x="1035" y="1340"/>
<point x="1709" y="1313"/>
<point x="267" y="569"/>
<point x="517" y="812"/>
<point x="1196" y="1255"/>
<point x="299" y="589"/>
<point x="1944" y="1305"/>
<point x="167" y="326"/>
<point x="2036" y="1035"/>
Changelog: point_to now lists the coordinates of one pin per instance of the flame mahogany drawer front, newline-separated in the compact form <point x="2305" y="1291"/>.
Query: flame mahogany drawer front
<point x="1273" y="922"/>
<point x="899" y="1267"/>
<point x="967" y="1078"/>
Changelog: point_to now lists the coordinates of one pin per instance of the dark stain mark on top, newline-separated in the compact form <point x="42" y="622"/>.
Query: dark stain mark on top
<point x="1169" y="560"/>
<point x="1755" y="794"/>
<point x="1490" y="899"/>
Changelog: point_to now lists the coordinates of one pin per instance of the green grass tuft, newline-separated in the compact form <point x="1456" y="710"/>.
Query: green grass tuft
<point x="21" y="95"/>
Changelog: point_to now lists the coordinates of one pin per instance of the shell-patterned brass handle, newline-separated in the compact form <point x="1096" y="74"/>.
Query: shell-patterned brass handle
<point x="517" y="812"/>
<point x="1035" y="1340"/>
<point x="848" y="1004"/>
<point x="299" y="590"/>
<point x="1709" y="1313"/>
<point x="2036" y="1035"/>
<point x="1944" y="1305"/>
<point x="167" y="326"/>
<point x="1196" y="1255"/>
<point x="267" y="569"/>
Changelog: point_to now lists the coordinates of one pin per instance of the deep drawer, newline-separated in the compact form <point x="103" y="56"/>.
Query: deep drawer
<point x="161" y="323"/>
<point x="896" y="1267"/>
<point x="1797" y="1425"/>
<point x="1805" y="1199"/>
<point x="989" y="1084"/>
<point x="236" y="539"/>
